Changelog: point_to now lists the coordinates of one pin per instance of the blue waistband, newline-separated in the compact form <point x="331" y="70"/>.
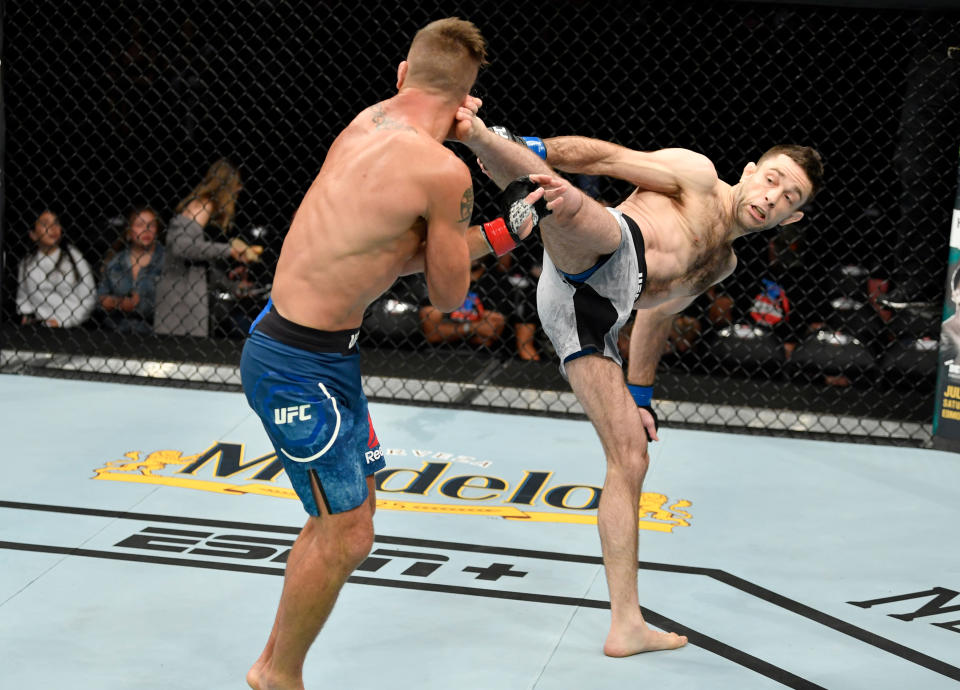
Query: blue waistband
<point x="583" y="276"/>
<point x="638" y="246"/>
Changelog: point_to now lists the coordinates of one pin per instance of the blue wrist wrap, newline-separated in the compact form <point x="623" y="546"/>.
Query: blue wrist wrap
<point x="536" y="145"/>
<point x="642" y="395"/>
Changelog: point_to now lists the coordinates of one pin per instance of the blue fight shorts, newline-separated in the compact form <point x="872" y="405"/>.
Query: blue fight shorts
<point x="304" y="384"/>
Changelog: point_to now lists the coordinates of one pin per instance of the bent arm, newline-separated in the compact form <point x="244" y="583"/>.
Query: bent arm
<point x="24" y="305"/>
<point x="650" y="329"/>
<point x="105" y="293"/>
<point x="665" y="171"/>
<point x="80" y="303"/>
<point x="108" y="293"/>
<point x="477" y="246"/>
<point x="185" y="240"/>
<point x="446" y="255"/>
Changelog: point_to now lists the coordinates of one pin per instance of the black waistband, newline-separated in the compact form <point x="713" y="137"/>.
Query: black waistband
<point x="637" y="241"/>
<point x="638" y="247"/>
<point x="305" y="338"/>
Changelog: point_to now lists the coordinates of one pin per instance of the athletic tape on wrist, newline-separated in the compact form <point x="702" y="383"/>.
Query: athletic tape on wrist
<point x="499" y="237"/>
<point x="483" y="234"/>
<point x="642" y="395"/>
<point x="536" y="145"/>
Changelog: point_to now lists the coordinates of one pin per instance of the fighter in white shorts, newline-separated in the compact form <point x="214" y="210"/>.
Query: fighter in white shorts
<point x="582" y="314"/>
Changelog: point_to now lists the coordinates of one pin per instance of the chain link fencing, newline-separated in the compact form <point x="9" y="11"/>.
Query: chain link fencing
<point x="115" y="112"/>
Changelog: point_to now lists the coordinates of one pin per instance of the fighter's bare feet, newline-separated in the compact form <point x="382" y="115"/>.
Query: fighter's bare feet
<point x="256" y="681"/>
<point x="640" y="639"/>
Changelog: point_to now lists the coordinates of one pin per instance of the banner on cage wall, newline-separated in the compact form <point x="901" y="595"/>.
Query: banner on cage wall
<point x="946" y="415"/>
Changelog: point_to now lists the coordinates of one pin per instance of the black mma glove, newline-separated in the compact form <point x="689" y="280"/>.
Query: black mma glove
<point x="503" y="234"/>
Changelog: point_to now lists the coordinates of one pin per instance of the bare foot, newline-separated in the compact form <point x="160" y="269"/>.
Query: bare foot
<point x="641" y="639"/>
<point x="256" y="681"/>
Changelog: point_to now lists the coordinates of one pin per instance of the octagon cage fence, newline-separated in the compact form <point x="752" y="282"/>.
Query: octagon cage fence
<point x="828" y="327"/>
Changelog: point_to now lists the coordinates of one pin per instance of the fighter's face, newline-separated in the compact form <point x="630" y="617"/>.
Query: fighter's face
<point x="772" y="193"/>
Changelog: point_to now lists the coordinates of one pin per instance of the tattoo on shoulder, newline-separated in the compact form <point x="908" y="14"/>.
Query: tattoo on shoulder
<point x="383" y="121"/>
<point x="466" y="205"/>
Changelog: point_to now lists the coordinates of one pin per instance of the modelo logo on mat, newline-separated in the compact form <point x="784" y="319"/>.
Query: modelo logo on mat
<point x="431" y="483"/>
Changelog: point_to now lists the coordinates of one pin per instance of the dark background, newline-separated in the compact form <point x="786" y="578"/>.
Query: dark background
<point x="109" y="103"/>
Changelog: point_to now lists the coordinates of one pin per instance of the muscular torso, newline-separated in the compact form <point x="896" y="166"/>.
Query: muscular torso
<point x="687" y="248"/>
<point x="358" y="224"/>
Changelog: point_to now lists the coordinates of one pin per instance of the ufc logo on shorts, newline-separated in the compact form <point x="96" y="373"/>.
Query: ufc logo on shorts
<point x="286" y="415"/>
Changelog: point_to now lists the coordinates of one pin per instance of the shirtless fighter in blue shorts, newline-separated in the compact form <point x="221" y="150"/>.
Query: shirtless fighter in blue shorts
<point x="665" y="244"/>
<point x="389" y="200"/>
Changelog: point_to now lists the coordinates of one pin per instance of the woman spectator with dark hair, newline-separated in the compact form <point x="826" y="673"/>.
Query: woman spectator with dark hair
<point x="201" y="218"/>
<point x="55" y="285"/>
<point x="128" y="290"/>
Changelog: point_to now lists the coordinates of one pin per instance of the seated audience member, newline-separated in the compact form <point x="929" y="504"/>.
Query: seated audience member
<point x="205" y="215"/>
<point x="56" y="286"/>
<point x="710" y="311"/>
<point x="128" y="289"/>
<point x="683" y="335"/>
<point x="239" y="298"/>
<point x="472" y="322"/>
<point x="510" y="286"/>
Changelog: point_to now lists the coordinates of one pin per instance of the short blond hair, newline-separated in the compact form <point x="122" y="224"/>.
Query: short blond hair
<point x="445" y="56"/>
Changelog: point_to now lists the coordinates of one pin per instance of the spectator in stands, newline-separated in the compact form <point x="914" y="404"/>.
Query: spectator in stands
<point x="509" y="285"/>
<point x="712" y="309"/>
<point x="238" y="301"/>
<point x="473" y="322"/>
<point x="782" y="292"/>
<point x="128" y="288"/>
<point x="804" y="281"/>
<point x="204" y="216"/>
<point x="56" y="286"/>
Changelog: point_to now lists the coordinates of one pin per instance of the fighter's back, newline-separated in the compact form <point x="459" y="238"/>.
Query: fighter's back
<point x="360" y="221"/>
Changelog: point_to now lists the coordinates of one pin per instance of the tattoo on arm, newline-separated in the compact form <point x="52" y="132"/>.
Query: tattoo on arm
<point x="383" y="121"/>
<point x="466" y="205"/>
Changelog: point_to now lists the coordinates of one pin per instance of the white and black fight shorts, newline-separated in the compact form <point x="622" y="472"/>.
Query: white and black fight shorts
<point x="582" y="314"/>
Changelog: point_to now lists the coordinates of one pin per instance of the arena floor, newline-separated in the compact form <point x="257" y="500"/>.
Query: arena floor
<point x="144" y="530"/>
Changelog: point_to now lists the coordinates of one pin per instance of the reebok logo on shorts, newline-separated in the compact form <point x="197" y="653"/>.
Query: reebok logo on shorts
<point x="287" y="415"/>
<point x="372" y="440"/>
<point x="373" y="443"/>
